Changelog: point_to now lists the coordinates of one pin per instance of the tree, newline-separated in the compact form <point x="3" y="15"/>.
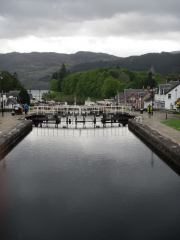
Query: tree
<point x="54" y="85"/>
<point x="124" y="78"/>
<point x="10" y="82"/>
<point x="173" y="76"/>
<point x="150" y="80"/>
<point x="24" y="97"/>
<point x="110" y="87"/>
<point x="55" y="75"/>
<point x="62" y="74"/>
<point x="121" y="87"/>
<point x="113" y="73"/>
<point x="132" y="85"/>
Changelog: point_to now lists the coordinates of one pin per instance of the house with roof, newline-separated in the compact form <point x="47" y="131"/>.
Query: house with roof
<point x="9" y="99"/>
<point x="136" y="97"/>
<point x="11" y="103"/>
<point x="14" y="94"/>
<point x="167" y="94"/>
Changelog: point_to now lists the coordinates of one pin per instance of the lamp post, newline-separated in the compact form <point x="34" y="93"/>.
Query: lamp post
<point x="39" y="95"/>
<point x="2" y="93"/>
<point x="176" y="97"/>
<point x="117" y="97"/>
<point x="153" y="76"/>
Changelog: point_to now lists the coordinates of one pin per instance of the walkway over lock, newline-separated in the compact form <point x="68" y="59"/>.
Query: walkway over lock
<point x="47" y="114"/>
<point x="76" y="110"/>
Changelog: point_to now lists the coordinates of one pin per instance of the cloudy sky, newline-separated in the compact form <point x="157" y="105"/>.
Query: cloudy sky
<point x="117" y="27"/>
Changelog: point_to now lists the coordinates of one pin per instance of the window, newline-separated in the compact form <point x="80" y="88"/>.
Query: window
<point x="169" y="96"/>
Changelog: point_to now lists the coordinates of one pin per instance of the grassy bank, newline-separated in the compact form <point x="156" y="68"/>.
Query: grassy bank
<point x="173" y="123"/>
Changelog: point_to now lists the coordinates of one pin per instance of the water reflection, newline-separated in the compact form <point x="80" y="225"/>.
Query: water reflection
<point x="79" y="123"/>
<point x="87" y="184"/>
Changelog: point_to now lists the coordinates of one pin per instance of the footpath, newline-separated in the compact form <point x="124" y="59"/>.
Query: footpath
<point x="165" y="141"/>
<point x="12" y="130"/>
<point x="154" y="122"/>
<point x="8" y="122"/>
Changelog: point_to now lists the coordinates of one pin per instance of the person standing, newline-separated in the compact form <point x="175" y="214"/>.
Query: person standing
<point x="149" y="109"/>
<point x="26" y="108"/>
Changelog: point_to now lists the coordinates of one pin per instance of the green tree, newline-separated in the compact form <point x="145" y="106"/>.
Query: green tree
<point x="62" y="74"/>
<point x="159" y="79"/>
<point x="54" y="85"/>
<point x="124" y="78"/>
<point x="121" y="87"/>
<point x="132" y="74"/>
<point x="24" y="97"/>
<point x="54" y="75"/>
<point x="132" y="85"/>
<point x="174" y="76"/>
<point x="150" y="80"/>
<point x="109" y="88"/>
<point x="113" y="73"/>
<point x="10" y="82"/>
<point x="100" y="82"/>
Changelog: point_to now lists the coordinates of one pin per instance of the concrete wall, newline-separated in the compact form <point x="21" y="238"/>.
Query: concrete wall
<point x="164" y="146"/>
<point x="10" y="139"/>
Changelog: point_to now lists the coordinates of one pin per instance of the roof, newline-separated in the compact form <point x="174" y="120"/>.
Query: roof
<point x="120" y="95"/>
<point x="11" y="101"/>
<point x="165" y="88"/>
<point x="12" y="93"/>
<point x="128" y="92"/>
<point x="173" y="87"/>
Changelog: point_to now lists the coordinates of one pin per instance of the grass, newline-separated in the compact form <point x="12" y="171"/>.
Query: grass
<point x="173" y="123"/>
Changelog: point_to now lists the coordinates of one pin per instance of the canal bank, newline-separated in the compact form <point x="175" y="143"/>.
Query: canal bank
<point x="163" y="139"/>
<point x="12" y="130"/>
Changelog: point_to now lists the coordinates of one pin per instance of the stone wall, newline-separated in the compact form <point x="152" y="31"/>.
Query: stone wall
<point x="164" y="146"/>
<point x="10" y="139"/>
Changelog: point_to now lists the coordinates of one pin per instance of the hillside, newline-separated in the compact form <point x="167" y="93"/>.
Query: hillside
<point x="164" y="63"/>
<point x="35" y="69"/>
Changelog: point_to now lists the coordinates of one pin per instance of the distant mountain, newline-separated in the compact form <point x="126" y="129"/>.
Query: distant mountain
<point x="35" y="69"/>
<point x="175" y="52"/>
<point x="163" y="63"/>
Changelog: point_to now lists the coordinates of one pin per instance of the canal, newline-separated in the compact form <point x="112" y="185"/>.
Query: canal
<point x="87" y="184"/>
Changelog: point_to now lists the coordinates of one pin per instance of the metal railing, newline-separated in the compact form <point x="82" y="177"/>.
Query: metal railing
<point x="75" y="110"/>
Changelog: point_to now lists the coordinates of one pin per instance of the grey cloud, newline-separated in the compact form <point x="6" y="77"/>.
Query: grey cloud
<point x="85" y="8"/>
<point x="133" y="24"/>
<point x="96" y="17"/>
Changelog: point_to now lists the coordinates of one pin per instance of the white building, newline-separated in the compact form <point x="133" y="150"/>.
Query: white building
<point x="167" y="95"/>
<point x="88" y="102"/>
<point x="9" y="99"/>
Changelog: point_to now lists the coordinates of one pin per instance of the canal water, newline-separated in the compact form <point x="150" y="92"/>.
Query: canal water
<point x="87" y="184"/>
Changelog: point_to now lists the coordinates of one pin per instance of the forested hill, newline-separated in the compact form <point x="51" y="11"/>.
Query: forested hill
<point x="164" y="63"/>
<point x="35" y="69"/>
